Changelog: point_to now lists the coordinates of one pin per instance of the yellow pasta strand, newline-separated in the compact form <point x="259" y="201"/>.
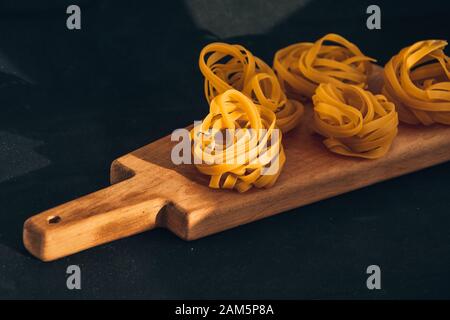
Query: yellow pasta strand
<point x="303" y="66"/>
<point x="255" y="145"/>
<point x="355" y="122"/>
<point x="227" y="66"/>
<point x="417" y="80"/>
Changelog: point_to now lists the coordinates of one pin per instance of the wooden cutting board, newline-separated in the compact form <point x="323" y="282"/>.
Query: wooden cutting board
<point x="149" y="191"/>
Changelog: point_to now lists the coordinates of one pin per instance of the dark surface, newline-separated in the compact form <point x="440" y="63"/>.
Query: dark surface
<point x="72" y="101"/>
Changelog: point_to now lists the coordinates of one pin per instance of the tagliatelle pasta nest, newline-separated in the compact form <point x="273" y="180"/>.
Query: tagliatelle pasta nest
<point x="354" y="121"/>
<point x="417" y="80"/>
<point x="238" y="144"/>
<point x="227" y="66"/>
<point x="332" y="59"/>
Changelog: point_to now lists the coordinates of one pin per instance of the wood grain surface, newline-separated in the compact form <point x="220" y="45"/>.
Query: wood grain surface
<point x="149" y="191"/>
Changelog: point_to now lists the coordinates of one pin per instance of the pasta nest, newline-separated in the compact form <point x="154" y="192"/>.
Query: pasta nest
<point x="238" y="144"/>
<point x="303" y="66"/>
<point x="417" y="80"/>
<point x="227" y="66"/>
<point x="355" y="122"/>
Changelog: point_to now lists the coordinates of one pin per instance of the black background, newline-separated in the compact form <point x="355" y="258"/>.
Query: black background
<point x="72" y="101"/>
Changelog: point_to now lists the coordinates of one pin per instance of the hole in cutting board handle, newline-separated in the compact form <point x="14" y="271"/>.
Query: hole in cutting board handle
<point x="53" y="219"/>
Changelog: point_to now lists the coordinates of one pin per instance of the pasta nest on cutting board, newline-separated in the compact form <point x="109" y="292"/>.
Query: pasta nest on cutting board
<point x="226" y="66"/>
<point x="301" y="67"/>
<point x="253" y="156"/>
<point x="417" y="80"/>
<point x="354" y="121"/>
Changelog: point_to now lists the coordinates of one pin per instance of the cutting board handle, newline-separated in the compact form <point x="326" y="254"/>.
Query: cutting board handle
<point x="100" y="217"/>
